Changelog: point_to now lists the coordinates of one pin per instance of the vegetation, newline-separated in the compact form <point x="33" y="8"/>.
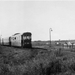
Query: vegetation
<point x="17" y="61"/>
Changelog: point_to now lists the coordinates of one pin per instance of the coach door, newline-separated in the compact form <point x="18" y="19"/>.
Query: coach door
<point x="10" y="41"/>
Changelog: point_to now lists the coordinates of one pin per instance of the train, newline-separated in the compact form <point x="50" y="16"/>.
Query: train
<point x="18" y="40"/>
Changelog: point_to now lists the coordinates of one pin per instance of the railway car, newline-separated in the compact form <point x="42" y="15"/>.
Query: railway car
<point x="21" y="40"/>
<point x="5" y="41"/>
<point x="18" y="40"/>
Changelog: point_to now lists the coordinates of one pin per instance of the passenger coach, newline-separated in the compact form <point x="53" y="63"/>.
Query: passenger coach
<point x="21" y="40"/>
<point x="18" y="40"/>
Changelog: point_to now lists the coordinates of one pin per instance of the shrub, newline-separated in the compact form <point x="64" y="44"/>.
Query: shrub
<point x="54" y="68"/>
<point x="58" y="52"/>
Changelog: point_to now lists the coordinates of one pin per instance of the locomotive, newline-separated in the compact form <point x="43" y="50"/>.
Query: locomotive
<point x="18" y="40"/>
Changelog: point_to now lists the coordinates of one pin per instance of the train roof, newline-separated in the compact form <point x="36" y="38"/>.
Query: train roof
<point x="25" y="33"/>
<point x="16" y="33"/>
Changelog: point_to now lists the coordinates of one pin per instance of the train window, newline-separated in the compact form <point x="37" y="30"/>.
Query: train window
<point x="24" y="38"/>
<point x="28" y="37"/>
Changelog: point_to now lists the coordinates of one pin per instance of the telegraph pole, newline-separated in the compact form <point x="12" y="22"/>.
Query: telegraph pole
<point x="50" y="29"/>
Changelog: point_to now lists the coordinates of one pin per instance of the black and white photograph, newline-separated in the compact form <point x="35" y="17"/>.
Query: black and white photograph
<point x="37" y="37"/>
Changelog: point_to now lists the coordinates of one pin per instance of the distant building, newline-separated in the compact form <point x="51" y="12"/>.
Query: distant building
<point x="60" y="42"/>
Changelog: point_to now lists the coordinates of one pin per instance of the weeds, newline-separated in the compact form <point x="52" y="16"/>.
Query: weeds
<point x="56" y="62"/>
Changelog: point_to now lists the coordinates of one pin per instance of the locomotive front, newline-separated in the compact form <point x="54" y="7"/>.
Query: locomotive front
<point x="26" y="40"/>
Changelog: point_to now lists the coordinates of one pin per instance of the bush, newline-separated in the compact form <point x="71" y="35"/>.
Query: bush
<point x="54" y="68"/>
<point x="4" y="70"/>
<point x="58" y="52"/>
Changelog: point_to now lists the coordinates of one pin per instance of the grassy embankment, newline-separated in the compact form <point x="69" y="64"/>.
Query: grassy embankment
<point x="15" y="61"/>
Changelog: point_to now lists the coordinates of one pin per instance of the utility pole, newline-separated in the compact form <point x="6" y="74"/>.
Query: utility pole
<point x="50" y="29"/>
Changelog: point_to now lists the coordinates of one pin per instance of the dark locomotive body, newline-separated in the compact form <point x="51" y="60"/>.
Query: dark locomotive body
<point x="18" y="40"/>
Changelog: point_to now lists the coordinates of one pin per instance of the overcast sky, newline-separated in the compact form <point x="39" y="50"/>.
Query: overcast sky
<point x="37" y="17"/>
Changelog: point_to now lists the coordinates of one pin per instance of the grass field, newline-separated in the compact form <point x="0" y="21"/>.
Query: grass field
<point x="37" y="61"/>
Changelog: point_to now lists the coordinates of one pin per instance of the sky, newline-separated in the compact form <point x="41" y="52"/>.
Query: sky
<point x="38" y="17"/>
